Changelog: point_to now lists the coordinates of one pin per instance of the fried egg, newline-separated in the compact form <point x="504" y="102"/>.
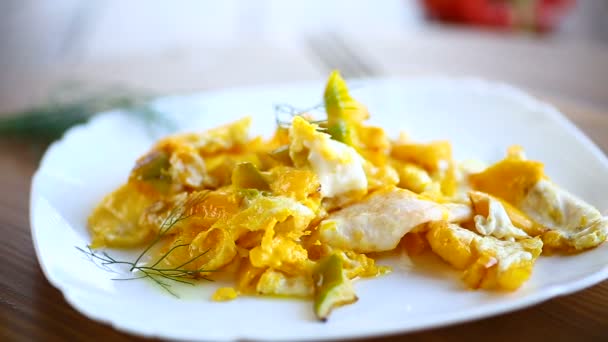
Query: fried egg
<point x="378" y="222"/>
<point x="572" y="223"/>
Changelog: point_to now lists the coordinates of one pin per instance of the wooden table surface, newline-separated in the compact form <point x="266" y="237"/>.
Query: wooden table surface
<point x="32" y="310"/>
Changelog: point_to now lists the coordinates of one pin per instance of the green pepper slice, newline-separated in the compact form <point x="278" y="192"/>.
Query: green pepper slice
<point x="247" y="176"/>
<point x="153" y="168"/>
<point x="343" y="111"/>
<point x="332" y="287"/>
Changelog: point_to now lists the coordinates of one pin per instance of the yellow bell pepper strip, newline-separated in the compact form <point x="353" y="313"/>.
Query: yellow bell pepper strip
<point x="332" y="287"/>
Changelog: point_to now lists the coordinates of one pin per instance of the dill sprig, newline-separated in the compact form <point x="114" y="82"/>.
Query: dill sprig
<point x="153" y="271"/>
<point x="179" y="213"/>
<point x="284" y="113"/>
<point x="156" y="274"/>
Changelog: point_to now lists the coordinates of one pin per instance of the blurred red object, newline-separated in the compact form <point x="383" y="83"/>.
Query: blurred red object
<point x="535" y="15"/>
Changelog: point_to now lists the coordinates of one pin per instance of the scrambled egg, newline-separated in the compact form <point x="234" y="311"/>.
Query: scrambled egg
<point x="493" y="219"/>
<point x="571" y="223"/>
<point x="306" y="212"/>
<point x="487" y="262"/>
<point x="566" y="222"/>
<point x="115" y="221"/>
<point x="277" y="283"/>
<point x="338" y="166"/>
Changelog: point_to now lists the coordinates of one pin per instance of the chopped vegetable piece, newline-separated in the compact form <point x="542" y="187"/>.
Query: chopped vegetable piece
<point x="343" y="112"/>
<point x="247" y="176"/>
<point x="333" y="288"/>
<point x="153" y="169"/>
<point x="281" y="154"/>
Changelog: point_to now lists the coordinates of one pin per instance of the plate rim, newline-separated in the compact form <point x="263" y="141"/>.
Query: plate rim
<point x="506" y="90"/>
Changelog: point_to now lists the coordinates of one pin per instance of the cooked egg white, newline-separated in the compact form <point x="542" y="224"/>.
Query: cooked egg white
<point x="338" y="166"/>
<point x="507" y="253"/>
<point x="378" y="222"/>
<point x="339" y="174"/>
<point x="572" y="222"/>
<point x="497" y="223"/>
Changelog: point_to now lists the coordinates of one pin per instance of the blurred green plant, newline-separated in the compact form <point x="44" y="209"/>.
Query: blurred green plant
<point x="48" y="122"/>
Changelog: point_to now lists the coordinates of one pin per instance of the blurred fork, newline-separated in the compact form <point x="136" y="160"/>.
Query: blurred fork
<point x="333" y="52"/>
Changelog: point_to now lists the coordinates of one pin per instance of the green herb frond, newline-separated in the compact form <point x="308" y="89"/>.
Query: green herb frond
<point x="284" y="114"/>
<point x="159" y="275"/>
<point x="179" y="213"/>
<point x="47" y="122"/>
<point x="177" y="274"/>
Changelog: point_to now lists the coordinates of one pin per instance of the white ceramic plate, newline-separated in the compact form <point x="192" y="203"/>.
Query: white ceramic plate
<point x="481" y="119"/>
